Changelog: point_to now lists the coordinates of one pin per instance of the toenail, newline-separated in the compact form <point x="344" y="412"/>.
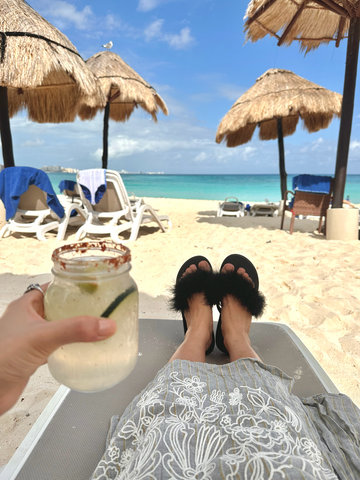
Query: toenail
<point x="228" y="267"/>
<point x="204" y="265"/>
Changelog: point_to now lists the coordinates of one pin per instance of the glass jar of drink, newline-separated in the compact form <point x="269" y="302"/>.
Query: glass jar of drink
<point x="93" y="279"/>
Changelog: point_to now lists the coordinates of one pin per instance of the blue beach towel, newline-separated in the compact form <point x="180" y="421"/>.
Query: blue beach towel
<point x="312" y="183"/>
<point x="14" y="181"/>
<point x="67" y="185"/>
<point x="70" y="186"/>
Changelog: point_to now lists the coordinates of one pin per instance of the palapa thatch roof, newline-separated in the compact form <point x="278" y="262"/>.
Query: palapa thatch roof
<point x="278" y="94"/>
<point x="42" y="69"/>
<point x="311" y="22"/>
<point x="124" y="88"/>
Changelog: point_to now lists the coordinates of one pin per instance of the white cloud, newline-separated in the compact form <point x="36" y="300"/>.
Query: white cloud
<point x="354" y="144"/>
<point x="179" y="143"/>
<point x="153" y="30"/>
<point x="179" y="41"/>
<point x="147" y="5"/>
<point x="201" y="157"/>
<point x="224" y="155"/>
<point x="65" y="14"/>
<point x="317" y="143"/>
<point x="33" y="143"/>
<point x="112" y="22"/>
<point x="248" y="152"/>
<point x="123" y="146"/>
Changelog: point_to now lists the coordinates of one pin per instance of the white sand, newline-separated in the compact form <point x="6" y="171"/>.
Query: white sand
<point x="311" y="284"/>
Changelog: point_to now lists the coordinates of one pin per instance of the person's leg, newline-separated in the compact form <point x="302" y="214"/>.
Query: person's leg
<point x="235" y="324"/>
<point x="199" y="326"/>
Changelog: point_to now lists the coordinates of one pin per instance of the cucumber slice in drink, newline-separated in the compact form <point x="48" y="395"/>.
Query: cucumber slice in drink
<point x="119" y="300"/>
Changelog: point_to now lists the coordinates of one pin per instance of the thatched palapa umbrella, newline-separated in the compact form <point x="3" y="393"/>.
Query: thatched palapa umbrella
<point x="124" y="90"/>
<point x="40" y="70"/>
<point x="313" y="22"/>
<point x="275" y="103"/>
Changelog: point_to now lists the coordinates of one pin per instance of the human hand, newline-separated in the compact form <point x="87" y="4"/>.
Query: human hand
<point x="27" y="339"/>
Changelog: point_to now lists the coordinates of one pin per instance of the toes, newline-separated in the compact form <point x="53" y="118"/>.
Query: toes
<point x="242" y="271"/>
<point x="228" y="267"/>
<point x="190" y="269"/>
<point x="204" y="265"/>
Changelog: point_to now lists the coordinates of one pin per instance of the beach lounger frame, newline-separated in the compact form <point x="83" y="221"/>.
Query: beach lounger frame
<point x="135" y="201"/>
<point x="115" y="213"/>
<point x="34" y="216"/>
<point x="232" y="207"/>
<point x="68" y="439"/>
<point x="264" y="209"/>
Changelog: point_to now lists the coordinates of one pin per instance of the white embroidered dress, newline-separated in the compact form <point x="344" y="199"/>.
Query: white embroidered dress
<point x="235" y="421"/>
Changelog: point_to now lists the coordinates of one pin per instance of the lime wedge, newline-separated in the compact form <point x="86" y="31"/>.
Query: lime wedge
<point x="88" y="287"/>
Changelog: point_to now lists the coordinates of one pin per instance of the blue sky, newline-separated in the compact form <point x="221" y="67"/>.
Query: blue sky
<point x="194" y="53"/>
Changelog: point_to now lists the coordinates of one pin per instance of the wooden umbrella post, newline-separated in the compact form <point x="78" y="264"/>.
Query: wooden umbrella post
<point x="105" y="136"/>
<point x="6" y="140"/>
<point x="346" y="112"/>
<point x="283" y="175"/>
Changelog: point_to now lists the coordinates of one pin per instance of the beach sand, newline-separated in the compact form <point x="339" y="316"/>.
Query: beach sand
<point x="311" y="285"/>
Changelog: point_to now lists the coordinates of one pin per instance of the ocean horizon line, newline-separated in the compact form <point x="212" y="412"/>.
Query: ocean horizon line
<point x="246" y="187"/>
<point x="226" y="174"/>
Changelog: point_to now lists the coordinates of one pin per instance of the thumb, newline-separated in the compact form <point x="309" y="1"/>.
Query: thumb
<point x="77" y="329"/>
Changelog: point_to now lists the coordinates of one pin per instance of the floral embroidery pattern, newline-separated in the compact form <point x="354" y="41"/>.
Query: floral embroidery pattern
<point x="243" y="432"/>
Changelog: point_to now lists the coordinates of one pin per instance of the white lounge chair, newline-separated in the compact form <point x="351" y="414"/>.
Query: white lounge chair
<point x="70" y="200"/>
<point x="68" y="439"/>
<point x="32" y="204"/>
<point x="135" y="201"/>
<point x="78" y="220"/>
<point x="264" y="209"/>
<point x="32" y="216"/>
<point x="71" y="196"/>
<point x="231" y="207"/>
<point x="115" y="214"/>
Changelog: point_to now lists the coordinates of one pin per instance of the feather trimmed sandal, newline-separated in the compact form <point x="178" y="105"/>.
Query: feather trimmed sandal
<point x="247" y="293"/>
<point x="199" y="281"/>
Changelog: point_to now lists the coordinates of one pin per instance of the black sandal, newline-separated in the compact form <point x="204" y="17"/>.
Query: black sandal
<point x="196" y="282"/>
<point x="231" y="283"/>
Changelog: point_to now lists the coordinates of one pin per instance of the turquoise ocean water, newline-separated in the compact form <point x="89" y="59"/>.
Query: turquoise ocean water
<point x="250" y="188"/>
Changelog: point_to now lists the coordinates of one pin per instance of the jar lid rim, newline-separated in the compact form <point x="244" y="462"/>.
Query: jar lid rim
<point x="124" y="254"/>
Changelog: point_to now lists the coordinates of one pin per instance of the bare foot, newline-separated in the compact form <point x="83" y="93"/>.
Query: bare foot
<point x="236" y="322"/>
<point x="199" y="314"/>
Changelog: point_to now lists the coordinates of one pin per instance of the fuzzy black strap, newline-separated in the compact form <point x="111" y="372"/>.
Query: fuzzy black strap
<point x="231" y="283"/>
<point x="195" y="282"/>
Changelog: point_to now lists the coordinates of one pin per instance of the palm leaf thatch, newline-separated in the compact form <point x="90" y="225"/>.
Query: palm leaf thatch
<point x="277" y="100"/>
<point x="123" y="87"/>
<point x="124" y="90"/>
<point x="278" y="94"/>
<point x="41" y="68"/>
<point x="312" y="23"/>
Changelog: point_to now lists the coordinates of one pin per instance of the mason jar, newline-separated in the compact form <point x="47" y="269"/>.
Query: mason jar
<point x="93" y="278"/>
